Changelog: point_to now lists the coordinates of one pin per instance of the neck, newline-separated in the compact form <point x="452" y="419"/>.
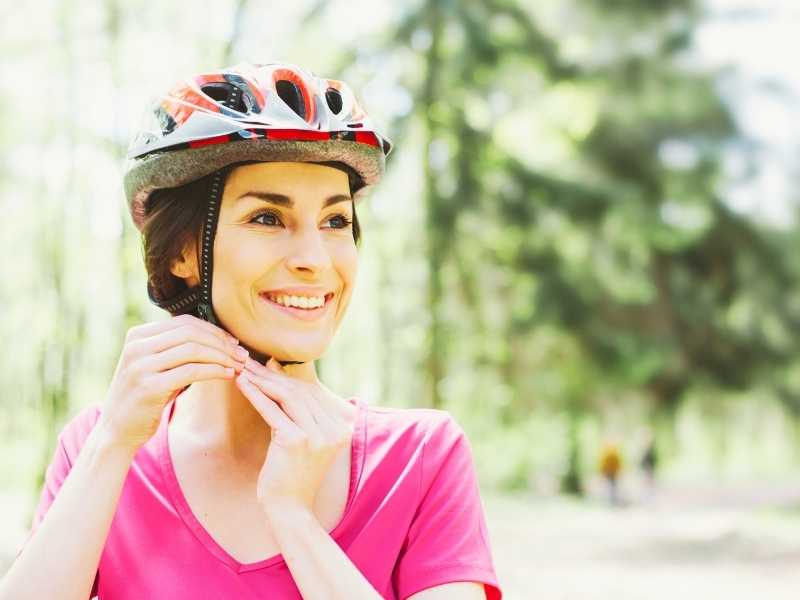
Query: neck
<point x="215" y="416"/>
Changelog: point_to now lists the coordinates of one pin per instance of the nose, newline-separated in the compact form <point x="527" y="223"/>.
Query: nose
<point x="307" y="252"/>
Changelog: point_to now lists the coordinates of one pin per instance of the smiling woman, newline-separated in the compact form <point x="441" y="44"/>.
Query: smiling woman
<point x="283" y="230"/>
<point x="219" y="466"/>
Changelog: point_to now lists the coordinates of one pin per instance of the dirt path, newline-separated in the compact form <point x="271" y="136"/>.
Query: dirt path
<point x="687" y="544"/>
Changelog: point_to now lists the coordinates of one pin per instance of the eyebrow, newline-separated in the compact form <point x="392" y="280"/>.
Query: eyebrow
<point x="287" y="202"/>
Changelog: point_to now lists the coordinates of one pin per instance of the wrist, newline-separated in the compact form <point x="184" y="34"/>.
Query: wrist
<point x="106" y="440"/>
<point x="282" y="510"/>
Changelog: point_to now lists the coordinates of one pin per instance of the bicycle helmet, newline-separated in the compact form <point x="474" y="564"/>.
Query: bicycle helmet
<point x="245" y="113"/>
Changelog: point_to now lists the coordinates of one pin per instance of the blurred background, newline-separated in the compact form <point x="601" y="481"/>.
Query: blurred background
<point x="585" y="249"/>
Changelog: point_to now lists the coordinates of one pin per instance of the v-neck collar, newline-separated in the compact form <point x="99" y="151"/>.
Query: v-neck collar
<point x="357" y="446"/>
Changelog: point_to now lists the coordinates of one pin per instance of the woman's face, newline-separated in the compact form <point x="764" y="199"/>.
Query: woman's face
<point x="284" y="237"/>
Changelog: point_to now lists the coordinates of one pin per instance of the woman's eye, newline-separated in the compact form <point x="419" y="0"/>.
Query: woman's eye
<point x="271" y="219"/>
<point x="268" y="215"/>
<point x="342" y="220"/>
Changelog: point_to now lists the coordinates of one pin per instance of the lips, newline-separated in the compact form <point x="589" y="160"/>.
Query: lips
<point x="304" y="314"/>
<point x="299" y="291"/>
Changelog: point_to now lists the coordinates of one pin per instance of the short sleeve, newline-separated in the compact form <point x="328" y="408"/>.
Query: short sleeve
<point x="447" y="540"/>
<point x="56" y="473"/>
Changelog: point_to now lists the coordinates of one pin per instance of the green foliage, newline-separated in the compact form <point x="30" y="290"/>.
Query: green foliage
<point x="602" y="225"/>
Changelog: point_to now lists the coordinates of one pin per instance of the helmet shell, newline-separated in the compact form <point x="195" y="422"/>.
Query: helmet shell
<point x="250" y="112"/>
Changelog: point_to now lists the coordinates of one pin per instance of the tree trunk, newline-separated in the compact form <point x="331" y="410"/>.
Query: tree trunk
<point x="434" y="361"/>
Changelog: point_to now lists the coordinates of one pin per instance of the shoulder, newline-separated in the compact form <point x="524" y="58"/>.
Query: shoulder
<point x="428" y="428"/>
<point x="423" y="420"/>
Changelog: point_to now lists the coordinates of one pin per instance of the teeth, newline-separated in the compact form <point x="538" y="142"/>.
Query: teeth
<point x="299" y="301"/>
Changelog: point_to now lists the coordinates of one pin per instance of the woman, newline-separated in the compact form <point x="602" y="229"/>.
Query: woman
<point x="245" y="186"/>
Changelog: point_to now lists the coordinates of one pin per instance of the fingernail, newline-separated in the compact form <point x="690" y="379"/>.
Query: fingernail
<point x="241" y="353"/>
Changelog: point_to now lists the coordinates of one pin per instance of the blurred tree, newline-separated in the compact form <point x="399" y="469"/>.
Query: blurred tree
<point x="591" y="184"/>
<point x="127" y="261"/>
<point x="60" y="351"/>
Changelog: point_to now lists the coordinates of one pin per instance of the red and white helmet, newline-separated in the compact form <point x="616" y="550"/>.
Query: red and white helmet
<point x="250" y="112"/>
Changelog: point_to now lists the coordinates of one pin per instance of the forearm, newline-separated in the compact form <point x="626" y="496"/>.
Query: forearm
<point x="61" y="559"/>
<point x="321" y="570"/>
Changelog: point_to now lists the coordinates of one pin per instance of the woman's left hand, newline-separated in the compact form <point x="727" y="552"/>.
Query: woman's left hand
<point x="309" y="428"/>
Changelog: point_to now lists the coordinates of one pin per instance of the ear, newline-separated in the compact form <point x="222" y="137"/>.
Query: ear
<point x="186" y="267"/>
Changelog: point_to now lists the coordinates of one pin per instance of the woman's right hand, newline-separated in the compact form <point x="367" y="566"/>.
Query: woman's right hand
<point x="157" y="361"/>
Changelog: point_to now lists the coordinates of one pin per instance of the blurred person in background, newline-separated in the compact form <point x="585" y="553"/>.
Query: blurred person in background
<point x="610" y="466"/>
<point x="649" y="462"/>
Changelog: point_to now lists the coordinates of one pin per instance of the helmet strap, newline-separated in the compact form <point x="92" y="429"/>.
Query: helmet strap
<point x="204" y="309"/>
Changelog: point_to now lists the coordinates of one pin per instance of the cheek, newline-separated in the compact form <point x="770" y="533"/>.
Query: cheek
<point x="241" y="260"/>
<point x="345" y="262"/>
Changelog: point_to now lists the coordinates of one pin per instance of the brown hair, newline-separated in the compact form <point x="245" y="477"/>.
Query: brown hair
<point x="174" y="219"/>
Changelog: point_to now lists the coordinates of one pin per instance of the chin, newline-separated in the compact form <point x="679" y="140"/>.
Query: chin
<point x="287" y="352"/>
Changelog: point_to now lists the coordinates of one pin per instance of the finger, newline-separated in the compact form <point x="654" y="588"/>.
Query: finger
<point x="256" y="367"/>
<point x="266" y="407"/>
<point x="187" y="374"/>
<point x="150" y="329"/>
<point x="189" y="352"/>
<point x="331" y="432"/>
<point x="328" y="399"/>
<point x="331" y="425"/>
<point x="272" y="367"/>
<point x="174" y="337"/>
<point x="284" y="395"/>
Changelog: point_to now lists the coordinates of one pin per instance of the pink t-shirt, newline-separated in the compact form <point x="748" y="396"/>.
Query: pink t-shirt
<point x="413" y="518"/>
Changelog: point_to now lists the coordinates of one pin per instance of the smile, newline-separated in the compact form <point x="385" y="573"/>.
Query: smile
<point x="312" y="310"/>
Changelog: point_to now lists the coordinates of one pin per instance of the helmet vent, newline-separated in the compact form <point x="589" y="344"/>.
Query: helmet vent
<point x="227" y="94"/>
<point x="334" y="100"/>
<point x="290" y="93"/>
